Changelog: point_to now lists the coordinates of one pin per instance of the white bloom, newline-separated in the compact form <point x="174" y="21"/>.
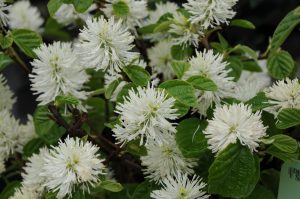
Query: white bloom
<point x="25" y="193"/>
<point x="251" y="83"/>
<point x="27" y="133"/>
<point x="23" y="15"/>
<point x="161" y="59"/>
<point x="185" y="32"/>
<point x="32" y="171"/>
<point x="144" y="114"/>
<point x="210" y="13"/>
<point x="9" y="134"/>
<point x="283" y="94"/>
<point x="181" y="187"/>
<point x="137" y="11"/>
<point x="3" y="12"/>
<point x="56" y="72"/>
<point x="105" y="44"/>
<point x="72" y="163"/>
<point x="232" y="123"/>
<point x="212" y="66"/>
<point x="166" y="159"/>
<point x="2" y="165"/>
<point x="7" y="98"/>
<point x="66" y="14"/>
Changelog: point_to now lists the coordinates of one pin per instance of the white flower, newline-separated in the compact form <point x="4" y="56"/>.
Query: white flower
<point x="7" y="98"/>
<point x="72" y="163"/>
<point x="144" y="114"/>
<point x="25" y="193"/>
<point x="137" y="11"/>
<point x="9" y="134"/>
<point x="232" y="123"/>
<point x="251" y="83"/>
<point x="56" y="72"/>
<point x="66" y="14"/>
<point x="3" y="12"/>
<point x="2" y="165"/>
<point x="283" y="94"/>
<point x="23" y="15"/>
<point x="211" y="66"/>
<point x="161" y="59"/>
<point x="27" y="133"/>
<point x="185" y="32"/>
<point x="166" y="159"/>
<point x="105" y="44"/>
<point x="32" y="171"/>
<point x="210" y="13"/>
<point x="181" y="187"/>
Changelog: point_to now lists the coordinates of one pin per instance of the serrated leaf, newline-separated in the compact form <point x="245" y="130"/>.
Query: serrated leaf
<point x="181" y="91"/>
<point x="182" y="109"/>
<point x="82" y="5"/>
<point x="6" y="41"/>
<point x="66" y="100"/>
<point x="284" y="28"/>
<point x="179" y="68"/>
<point x="137" y="75"/>
<point x="27" y="40"/>
<point x="179" y="52"/>
<point x="111" y="88"/>
<point x="280" y="64"/>
<point x="120" y="9"/>
<point x="202" y="83"/>
<point x="234" y="173"/>
<point x="4" y="61"/>
<point x="53" y="6"/>
<point x="274" y="151"/>
<point x="288" y="118"/>
<point x="243" y="23"/>
<point x="252" y="66"/>
<point x="259" y="102"/>
<point x="190" y="138"/>
<point x="285" y="143"/>
<point x="147" y="29"/>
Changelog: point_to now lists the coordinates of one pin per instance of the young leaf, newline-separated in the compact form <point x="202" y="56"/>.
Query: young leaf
<point x="236" y="67"/>
<point x="182" y="109"/>
<point x="120" y="9"/>
<point x="4" y="61"/>
<point x="288" y="118"/>
<point x="285" y="143"/>
<point x="190" y="138"/>
<point x="223" y="41"/>
<point x="10" y="189"/>
<point x="280" y="64"/>
<point x="274" y="151"/>
<point x="147" y="29"/>
<point x="66" y="100"/>
<point x="180" y="90"/>
<point x="27" y="40"/>
<point x="179" y="68"/>
<point x="82" y="5"/>
<point x="252" y="66"/>
<point x="162" y="27"/>
<point x="242" y="23"/>
<point x="32" y="147"/>
<point x="111" y="88"/>
<point x="6" y="41"/>
<point x="202" y="83"/>
<point x="259" y="102"/>
<point x="53" y="6"/>
<point x="96" y="113"/>
<point x="137" y="75"/>
<point x="111" y="186"/>
<point x="261" y="192"/>
<point x="234" y="173"/>
<point x="143" y="190"/>
<point x="180" y="52"/>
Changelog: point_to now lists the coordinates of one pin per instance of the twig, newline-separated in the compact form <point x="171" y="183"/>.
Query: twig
<point x="58" y="118"/>
<point x="18" y="59"/>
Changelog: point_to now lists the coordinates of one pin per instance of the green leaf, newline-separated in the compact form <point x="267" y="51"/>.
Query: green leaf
<point x="243" y="23"/>
<point x="4" y="61"/>
<point x="137" y="75"/>
<point x="182" y="109"/>
<point x="66" y="100"/>
<point x="288" y="118"/>
<point x="53" y="6"/>
<point x="82" y="5"/>
<point x="202" y="83"/>
<point x="111" y="88"/>
<point x="270" y="178"/>
<point x="236" y="67"/>
<point x="190" y="138"/>
<point x="46" y="128"/>
<point x="96" y="80"/>
<point x="162" y="27"/>
<point x="9" y="190"/>
<point x="124" y="92"/>
<point x="285" y="27"/>
<point x="135" y="148"/>
<point x="54" y="31"/>
<point x="274" y="151"/>
<point x="259" y="102"/>
<point x="96" y="113"/>
<point x="252" y="66"/>
<point x="120" y="9"/>
<point x="234" y="173"/>
<point x="280" y="64"/>
<point x="111" y="186"/>
<point x="181" y="91"/>
<point x="179" y="52"/>
<point x="223" y="41"/>
<point x="247" y="50"/>
<point x="6" y="41"/>
<point x="285" y="143"/>
<point x="27" y="40"/>
<point x="179" y="68"/>
<point x="32" y="147"/>
<point x="261" y="192"/>
<point x="143" y="190"/>
<point x="147" y="29"/>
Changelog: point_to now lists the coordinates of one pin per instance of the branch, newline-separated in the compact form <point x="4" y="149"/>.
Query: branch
<point x="18" y="59"/>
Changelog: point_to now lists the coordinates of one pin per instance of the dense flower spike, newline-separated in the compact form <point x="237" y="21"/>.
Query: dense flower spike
<point x="170" y="159"/>
<point x="7" y="98"/>
<point x="105" y="44"/>
<point x="161" y="59"/>
<point x="212" y="66"/>
<point x="145" y="115"/>
<point x="73" y="162"/>
<point x="57" y="72"/>
<point x="233" y="123"/>
<point x="136" y="13"/>
<point x="283" y="94"/>
<point x="9" y="134"/>
<point x="25" y="193"/>
<point x="66" y="14"/>
<point x="210" y="13"/>
<point x="181" y="187"/>
<point x="22" y="15"/>
<point x="3" y="12"/>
